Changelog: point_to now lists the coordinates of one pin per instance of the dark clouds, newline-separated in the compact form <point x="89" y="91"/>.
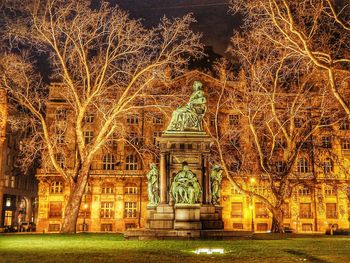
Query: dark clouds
<point x="214" y="19"/>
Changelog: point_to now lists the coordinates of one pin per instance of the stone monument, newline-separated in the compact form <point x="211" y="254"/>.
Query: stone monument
<point x="189" y="190"/>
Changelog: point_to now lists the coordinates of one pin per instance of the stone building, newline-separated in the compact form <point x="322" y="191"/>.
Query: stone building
<point x="18" y="191"/>
<point x="116" y="195"/>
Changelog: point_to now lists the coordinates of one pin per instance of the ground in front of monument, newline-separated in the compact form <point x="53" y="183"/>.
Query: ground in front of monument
<point x="114" y="248"/>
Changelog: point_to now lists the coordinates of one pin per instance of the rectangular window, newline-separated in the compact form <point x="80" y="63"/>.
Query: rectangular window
<point x="8" y="218"/>
<point x="113" y="140"/>
<point x="106" y="227"/>
<point x="261" y="211"/>
<point x="235" y="191"/>
<point x="261" y="227"/>
<point x="327" y="142"/>
<point x="157" y="120"/>
<point x="55" y="210"/>
<point x="155" y="136"/>
<point x="106" y="209"/>
<point x="60" y="136"/>
<point x="304" y="191"/>
<point x="131" y="190"/>
<point x="54" y="227"/>
<point x="305" y="210"/>
<point x="329" y="191"/>
<point x="130" y="225"/>
<point x="132" y="119"/>
<point x="89" y="118"/>
<point x="331" y="210"/>
<point x="12" y="181"/>
<point x="212" y="121"/>
<point x="345" y="144"/>
<point x="233" y="120"/>
<point x="130" y="209"/>
<point x="7" y="181"/>
<point x="88" y="136"/>
<point x="107" y="189"/>
<point x="344" y="125"/>
<point x="236" y="210"/>
<point x="61" y="115"/>
<point x="306" y="227"/>
<point x="286" y="210"/>
<point x="82" y="227"/>
<point x="238" y="226"/>
<point x="327" y="166"/>
<point x="298" y="122"/>
<point x="280" y="166"/>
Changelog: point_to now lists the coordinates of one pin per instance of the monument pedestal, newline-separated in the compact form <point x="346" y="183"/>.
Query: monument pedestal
<point x="161" y="217"/>
<point x="187" y="217"/>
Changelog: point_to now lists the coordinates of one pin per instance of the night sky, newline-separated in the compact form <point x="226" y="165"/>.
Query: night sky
<point x="213" y="16"/>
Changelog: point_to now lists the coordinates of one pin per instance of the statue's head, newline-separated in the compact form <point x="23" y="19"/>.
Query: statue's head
<point x="153" y="166"/>
<point x="197" y="85"/>
<point x="216" y="168"/>
<point x="185" y="166"/>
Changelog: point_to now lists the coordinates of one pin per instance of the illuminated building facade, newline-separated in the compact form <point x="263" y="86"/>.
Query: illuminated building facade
<point x="116" y="196"/>
<point x="18" y="191"/>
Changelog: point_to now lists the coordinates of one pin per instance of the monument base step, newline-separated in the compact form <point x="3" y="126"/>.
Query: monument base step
<point x="212" y="224"/>
<point x="160" y="224"/>
<point x="187" y="225"/>
<point x="150" y="234"/>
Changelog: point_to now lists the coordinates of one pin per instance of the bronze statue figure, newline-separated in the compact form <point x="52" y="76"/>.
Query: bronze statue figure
<point x="190" y="116"/>
<point x="152" y="185"/>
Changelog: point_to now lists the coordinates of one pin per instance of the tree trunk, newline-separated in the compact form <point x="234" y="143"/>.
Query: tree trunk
<point x="73" y="205"/>
<point x="277" y="221"/>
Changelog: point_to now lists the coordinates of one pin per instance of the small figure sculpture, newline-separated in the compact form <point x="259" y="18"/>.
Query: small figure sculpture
<point x="189" y="117"/>
<point x="152" y="185"/>
<point x="185" y="188"/>
<point x="215" y="181"/>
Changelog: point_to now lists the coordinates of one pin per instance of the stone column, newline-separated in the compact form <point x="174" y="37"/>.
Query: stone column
<point x="163" y="179"/>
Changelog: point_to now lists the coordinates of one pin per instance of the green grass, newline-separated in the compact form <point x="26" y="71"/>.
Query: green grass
<point x="113" y="248"/>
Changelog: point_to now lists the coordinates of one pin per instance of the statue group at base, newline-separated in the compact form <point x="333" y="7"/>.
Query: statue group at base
<point x="185" y="188"/>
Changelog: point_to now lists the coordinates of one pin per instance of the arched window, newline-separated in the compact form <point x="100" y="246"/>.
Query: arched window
<point x="108" y="162"/>
<point x="56" y="187"/>
<point x="60" y="160"/>
<point x="303" y="165"/>
<point x="327" y="166"/>
<point x="131" y="162"/>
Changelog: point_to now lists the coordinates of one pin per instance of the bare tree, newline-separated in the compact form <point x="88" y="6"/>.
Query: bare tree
<point x="316" y="32"/>
<point x="277" y="111"/>
<point x="105" y="63"/>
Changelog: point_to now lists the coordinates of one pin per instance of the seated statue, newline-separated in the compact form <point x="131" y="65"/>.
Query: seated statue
<point x="185" y="188"/>
<point x="189" y="117"/>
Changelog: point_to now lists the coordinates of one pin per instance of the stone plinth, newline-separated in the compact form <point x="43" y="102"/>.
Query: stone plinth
<point x="211" y="217"/>
<point x="187" y="212"/>
<point x="161" y="217"/>
<point x="187" y="217"/>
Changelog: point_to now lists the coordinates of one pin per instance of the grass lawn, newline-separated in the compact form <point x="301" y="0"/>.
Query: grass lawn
<point x="113" y="248"/>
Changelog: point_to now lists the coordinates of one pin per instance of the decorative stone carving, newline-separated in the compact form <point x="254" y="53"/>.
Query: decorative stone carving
<point x="152" y="185"/>
<point x="189" y="117"/>
<point x="185" y="188"/>
<point x="215" y="182"/>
